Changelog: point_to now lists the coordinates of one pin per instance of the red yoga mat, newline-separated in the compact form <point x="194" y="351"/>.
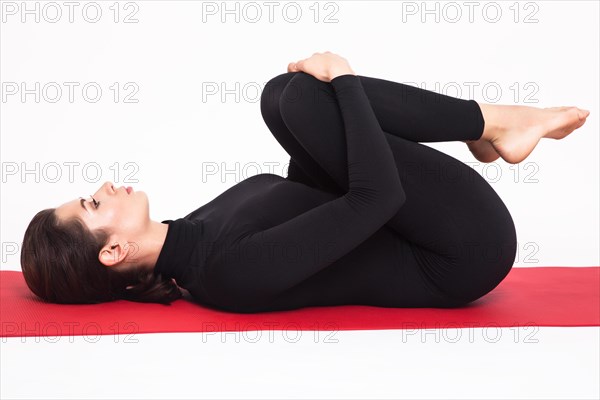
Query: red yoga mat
<point x="540" y="296"/>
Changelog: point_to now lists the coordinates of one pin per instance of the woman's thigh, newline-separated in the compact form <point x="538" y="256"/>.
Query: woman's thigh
<point x="303" y="167"/>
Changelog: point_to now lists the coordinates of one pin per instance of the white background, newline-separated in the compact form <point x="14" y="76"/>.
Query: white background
<point x="176" y="130"/>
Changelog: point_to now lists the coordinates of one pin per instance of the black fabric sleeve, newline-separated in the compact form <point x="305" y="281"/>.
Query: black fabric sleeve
<point x="325" y="233"/>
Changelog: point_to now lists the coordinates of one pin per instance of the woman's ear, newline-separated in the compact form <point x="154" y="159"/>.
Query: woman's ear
<point x="111" y="255"/>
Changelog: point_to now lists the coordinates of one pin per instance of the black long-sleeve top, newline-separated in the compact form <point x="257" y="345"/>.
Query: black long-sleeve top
<point x="269" y="243"/>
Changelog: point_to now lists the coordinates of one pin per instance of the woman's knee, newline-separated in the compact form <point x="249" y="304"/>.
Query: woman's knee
<point x="269" y="99"/>
<point x="304" y="97"/>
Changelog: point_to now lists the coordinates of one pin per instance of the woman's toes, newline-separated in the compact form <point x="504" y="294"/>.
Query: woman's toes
<point x="583" y="114"/>
<point x="563" y="123"/>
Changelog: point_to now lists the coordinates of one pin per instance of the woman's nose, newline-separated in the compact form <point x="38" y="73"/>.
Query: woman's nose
<point x="106" y="187"/>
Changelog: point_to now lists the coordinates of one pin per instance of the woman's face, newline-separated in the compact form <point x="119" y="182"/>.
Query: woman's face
<point x="125" y="214"/>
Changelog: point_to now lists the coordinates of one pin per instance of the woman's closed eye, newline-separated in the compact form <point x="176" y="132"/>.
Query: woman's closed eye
<point x="96" y="203"/>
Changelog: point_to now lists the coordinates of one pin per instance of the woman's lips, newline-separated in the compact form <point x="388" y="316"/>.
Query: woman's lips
<point x="129" y="189"/>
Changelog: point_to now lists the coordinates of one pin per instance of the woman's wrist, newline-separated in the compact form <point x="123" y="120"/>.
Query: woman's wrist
<point x="338" y="72"/>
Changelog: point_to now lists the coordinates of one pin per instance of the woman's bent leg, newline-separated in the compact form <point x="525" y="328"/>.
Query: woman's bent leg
<point x="461" y="231"/>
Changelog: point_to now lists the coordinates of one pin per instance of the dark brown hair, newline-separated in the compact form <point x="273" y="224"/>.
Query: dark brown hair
<point x="60" y="264"/>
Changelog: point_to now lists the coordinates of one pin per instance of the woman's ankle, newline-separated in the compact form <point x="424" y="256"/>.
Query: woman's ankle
<point x="492" y="116"/>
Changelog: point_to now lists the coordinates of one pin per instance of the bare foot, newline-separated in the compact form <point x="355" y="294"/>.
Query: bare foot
<point x="514" y="131"/>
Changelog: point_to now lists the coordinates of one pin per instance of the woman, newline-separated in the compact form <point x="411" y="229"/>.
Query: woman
<point x="367" y="215"/>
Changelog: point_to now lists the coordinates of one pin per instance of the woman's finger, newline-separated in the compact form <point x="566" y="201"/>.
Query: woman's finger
<point x="300" y="65"/>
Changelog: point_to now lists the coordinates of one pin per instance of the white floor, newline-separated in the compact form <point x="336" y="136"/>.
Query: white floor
<point x="539" y="363"/>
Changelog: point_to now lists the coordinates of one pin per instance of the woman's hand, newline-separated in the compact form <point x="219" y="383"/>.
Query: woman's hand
<point x="323" y="66"/>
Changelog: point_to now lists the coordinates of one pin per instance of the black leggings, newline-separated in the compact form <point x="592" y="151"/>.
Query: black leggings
<point x="463" y="234"/>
